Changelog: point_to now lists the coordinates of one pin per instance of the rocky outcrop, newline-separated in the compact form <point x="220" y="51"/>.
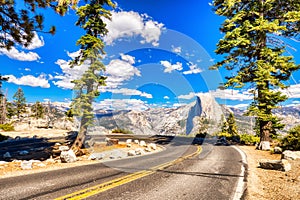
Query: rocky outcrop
<point x="291" y="155"/>
<point x="280" y="165"/>
<point x="68" y="156"/>
<point x="166" y="121"/>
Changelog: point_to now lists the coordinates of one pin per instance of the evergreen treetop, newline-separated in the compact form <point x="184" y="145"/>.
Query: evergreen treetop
<point x="256" y="54"/>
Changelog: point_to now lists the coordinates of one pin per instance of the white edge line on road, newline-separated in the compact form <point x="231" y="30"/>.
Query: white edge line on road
<point x="241" y="183"/>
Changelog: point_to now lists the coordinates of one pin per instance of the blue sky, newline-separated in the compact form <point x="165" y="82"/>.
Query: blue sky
<point x="158" y="55"/>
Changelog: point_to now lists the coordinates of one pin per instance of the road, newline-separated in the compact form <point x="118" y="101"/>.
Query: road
<point x="211" y="175"/>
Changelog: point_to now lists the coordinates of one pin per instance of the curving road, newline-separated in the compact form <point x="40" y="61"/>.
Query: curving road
<point x="211" y="175"/>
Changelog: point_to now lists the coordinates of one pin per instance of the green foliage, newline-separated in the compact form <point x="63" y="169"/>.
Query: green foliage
<point x="249" y="139"/>
<point x="229" y="128"/>
<point x="255" y="53"/>
<point x="69" y="114"/>
<point x="90" y="19"/>
<point x="225" y="134"/>
<point x="19" y="102"/>
<point x="203" y="125"/>
<point x="38" y="110"/>
<point x="120" y="130"/>
<point x="232" y="128"/>
<point x="7" y="127"/>
<point x="10" y="110"/>
<point x="292" y="140"/>
<point x="20" y="20"/>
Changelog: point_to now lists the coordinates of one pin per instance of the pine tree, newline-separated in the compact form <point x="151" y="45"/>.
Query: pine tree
<point x="256" y="55"/>
<point x="232" y="128"/>
<point x="90" y="19"/>
<point x="38" y="110"/>
<point x="203" y="125"/>
<point x="20" y="20"/>
<point x="19" y="102"/>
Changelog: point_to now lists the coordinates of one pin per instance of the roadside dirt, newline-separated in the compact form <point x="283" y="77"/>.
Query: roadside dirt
<point x="269" y="184"/>
<point x="10" y="169"/>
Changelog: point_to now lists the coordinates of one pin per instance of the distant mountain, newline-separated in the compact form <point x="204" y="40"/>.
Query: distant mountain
<point x="290" y="116"/>
<point x="181" y="120"/>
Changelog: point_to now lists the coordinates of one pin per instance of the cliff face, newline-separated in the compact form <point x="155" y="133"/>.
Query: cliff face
<point x="181" y="120"/>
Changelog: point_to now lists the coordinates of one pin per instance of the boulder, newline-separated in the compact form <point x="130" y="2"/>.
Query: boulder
<point x="128" y="141"/>
<point x="277" y="150"/>
<point x="280" y="165"/>
<point x="139" y="151"/>
<point x="112" y="142"/>
<point x="131" y="153"/>
<point x="26" y="164"/>
<point x="143" y="143"/>
<point x="115" y="154"/>
<point x="63" y="148"/>
<point x="68" y="156"/>
<point x="264" y="145"/>
<point x="291" y="155"/>
<point x="96" y="156"/>
<point x="148" y="149"/>
<point x="152" y="146"/>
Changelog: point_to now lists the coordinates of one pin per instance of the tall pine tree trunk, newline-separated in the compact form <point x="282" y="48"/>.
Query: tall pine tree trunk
<point x="87" y="116"/>
<point x="79" y="141"/>
<point x="264" y="126"/>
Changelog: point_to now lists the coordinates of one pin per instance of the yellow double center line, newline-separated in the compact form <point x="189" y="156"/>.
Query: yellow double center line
<point x="122" y="180"/>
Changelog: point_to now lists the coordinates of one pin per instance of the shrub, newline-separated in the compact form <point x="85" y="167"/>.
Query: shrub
<point x="248" y="139"/>
<point x="7" y="127"/>
<point x="119" y="130"/>
<point x="292" y="140"/>
<point x="224" y="134"/>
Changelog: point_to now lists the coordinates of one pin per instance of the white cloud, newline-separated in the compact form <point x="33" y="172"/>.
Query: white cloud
<point x="166" y="97"/>
<point x="128" y="58"/>
<point x="231" y="94"/>
<point x="193" y="70"/>
<point x="36" y="42"/>
<point x="27" y="69"/>
<point x="15" y="54"/>
<point x="187" y="96"/>
<point x="228" y="94"/>
<point x="131" y="24"/>
<point x="293" y="91"/>
<point x="130" y="92"/>
<point x="73" y="55"/>
<point x="176" y="49"/>
<point x="119" y="71"/>
<point x="30" y="80"/>
<point x="68" y="74"/>
<point x="121" y="104"/>
<point x="171" y="67"/>
<point x="242" y="106"/>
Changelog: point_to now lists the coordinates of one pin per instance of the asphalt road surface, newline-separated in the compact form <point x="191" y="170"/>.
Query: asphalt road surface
<point x="212" y="174"/>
